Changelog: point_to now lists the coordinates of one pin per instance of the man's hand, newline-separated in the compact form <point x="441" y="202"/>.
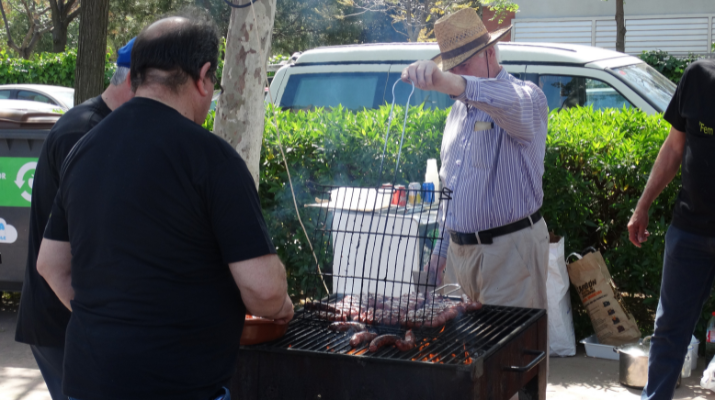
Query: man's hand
<point x="637" y="226"/>
<point x="286" y="313"/>
<point x="427" y="76"/>
<point x="435" y="269"/>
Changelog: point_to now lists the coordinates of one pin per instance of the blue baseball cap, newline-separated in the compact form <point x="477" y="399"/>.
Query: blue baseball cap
<point x="124" y="55"/>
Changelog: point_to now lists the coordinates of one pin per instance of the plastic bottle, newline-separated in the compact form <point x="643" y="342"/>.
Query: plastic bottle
<point x="432" y="175"/>
<point x="710" y="338"/>
<point x="686" y="366"/>
<point x="708" y="381"/>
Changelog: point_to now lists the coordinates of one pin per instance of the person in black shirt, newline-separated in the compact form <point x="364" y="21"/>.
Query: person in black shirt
<point x="42" y="319"/>
<point x="156" y="240"/>
<point x="689" y="259"/>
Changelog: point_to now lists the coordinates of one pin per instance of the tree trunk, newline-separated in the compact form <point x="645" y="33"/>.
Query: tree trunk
<point x="620" y="27"/>
<point x="91" y="54"/>
<point x="241" y="110"/>
<point x="59" y="38"/>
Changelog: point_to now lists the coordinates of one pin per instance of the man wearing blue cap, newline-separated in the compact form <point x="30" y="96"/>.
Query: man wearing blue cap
<point x="43" y="319"/>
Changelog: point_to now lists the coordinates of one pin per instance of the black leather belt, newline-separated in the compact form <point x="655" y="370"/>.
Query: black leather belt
<point x="486" y="237"/>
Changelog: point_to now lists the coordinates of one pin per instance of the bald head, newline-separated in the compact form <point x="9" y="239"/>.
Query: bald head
<point x="164" y="25"/>
<point x="172" y="50"/>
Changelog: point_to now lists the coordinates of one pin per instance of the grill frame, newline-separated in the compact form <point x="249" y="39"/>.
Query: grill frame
<point x="268" y="371"/>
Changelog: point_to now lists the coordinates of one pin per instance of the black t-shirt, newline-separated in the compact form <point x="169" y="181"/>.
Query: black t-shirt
<point x="42" y="319"/>
<point x="154" y="207"/>
<point x="691" y="111"/>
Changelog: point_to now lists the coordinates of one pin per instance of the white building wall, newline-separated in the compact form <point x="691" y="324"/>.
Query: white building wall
<point x="682" y="27"/>
<point x="599" y="8"/>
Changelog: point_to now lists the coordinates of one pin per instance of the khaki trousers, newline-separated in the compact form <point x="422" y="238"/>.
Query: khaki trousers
<point x="509" y="272"/>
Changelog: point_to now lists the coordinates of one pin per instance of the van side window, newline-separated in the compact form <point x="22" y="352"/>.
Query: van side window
<point x="354" y="90"/>
<point x="571" y="91"/>
<point x="5" y="94"/>
<point x="431" y="98"/>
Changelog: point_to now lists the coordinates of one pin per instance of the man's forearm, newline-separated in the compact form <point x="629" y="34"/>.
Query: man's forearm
<point x="62" y="286"/>
<point x="453" y="85"/>
<point x="664" y="170"/>
<point x="54" y="263"/>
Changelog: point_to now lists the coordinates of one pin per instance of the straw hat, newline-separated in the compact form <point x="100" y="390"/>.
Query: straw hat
<point x="462" y="35"/>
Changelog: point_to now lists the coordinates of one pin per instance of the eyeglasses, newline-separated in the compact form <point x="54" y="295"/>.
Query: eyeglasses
<point x="214" y="79"/>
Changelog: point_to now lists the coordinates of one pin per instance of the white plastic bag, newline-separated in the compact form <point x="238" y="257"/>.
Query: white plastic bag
<point x="708" y="381"/>
<point x="562" y="341"/>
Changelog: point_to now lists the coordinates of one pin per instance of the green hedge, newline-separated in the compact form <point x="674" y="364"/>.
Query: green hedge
<point x="58" y="68"/>
<point x="45" y="68"/>
<point x="596" y="165"/>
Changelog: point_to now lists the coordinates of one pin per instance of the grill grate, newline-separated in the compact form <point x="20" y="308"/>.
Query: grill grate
<point x="461" y="341"/>
<point x="366" y="245"/>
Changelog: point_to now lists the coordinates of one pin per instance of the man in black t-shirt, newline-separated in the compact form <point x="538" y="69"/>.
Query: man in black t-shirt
<point x="42" y="319"/>
<point x="689" y="259"/>
<point x="156" y="239"/>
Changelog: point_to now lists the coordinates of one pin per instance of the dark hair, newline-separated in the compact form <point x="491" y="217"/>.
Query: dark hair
<point x="180" y="50"/>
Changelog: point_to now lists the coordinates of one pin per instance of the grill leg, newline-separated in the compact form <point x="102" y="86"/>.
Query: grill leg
<point x="535" y="389"/>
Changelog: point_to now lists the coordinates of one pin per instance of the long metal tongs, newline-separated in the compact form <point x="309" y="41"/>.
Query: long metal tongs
<point x="454" y="285"/>
<point x="389" y="125"/>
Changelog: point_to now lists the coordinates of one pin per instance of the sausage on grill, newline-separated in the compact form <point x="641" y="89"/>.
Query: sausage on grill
<point x="383" y="340"/>
<point x="474" y="306"/>
<point x="361" y="337"/>
<point x="344" y="326"/>
<point x="408" y="343"/>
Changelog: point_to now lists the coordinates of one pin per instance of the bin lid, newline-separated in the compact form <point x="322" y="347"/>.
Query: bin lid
<point x="20" y="114"/>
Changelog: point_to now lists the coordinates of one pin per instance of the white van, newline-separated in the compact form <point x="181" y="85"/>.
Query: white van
<point x="362" y="76"/>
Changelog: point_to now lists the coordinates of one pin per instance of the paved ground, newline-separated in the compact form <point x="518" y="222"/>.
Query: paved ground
<point x="572" y="378"/>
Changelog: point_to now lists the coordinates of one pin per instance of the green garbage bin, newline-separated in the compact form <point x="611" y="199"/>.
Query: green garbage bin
<point x="22" y="134"/>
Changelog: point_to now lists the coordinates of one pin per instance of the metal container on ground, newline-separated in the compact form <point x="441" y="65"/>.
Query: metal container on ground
<point x="633" y="363"/>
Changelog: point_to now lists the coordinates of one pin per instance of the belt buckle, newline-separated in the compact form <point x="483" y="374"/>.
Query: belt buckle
<point x="484" y="238"/>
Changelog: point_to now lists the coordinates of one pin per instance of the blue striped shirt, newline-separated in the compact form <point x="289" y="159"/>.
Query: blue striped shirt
<point x="495" y="174"/>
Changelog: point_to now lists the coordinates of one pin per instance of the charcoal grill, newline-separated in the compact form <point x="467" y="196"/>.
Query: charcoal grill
<point x="487" y="354"/>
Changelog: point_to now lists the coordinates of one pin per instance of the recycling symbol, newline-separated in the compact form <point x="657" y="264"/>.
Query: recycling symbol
<point x="20" y="181"/>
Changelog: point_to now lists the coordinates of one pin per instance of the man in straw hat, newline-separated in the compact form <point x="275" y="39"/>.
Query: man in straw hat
<point x="495" y="242"/>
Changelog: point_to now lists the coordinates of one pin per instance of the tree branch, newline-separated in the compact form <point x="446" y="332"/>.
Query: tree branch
<point x="71" y="3"/>
<point x="10" y="42"/>
<point x="27" y="11"/>
<point x="74" y="14"/>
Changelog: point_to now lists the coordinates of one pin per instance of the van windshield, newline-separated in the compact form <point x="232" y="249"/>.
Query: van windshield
<point x="651" y="84"/>
<point x="354" y="90"/>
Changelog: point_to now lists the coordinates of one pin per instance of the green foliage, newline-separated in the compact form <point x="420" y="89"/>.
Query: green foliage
<point x="596" y="166"/>
<point x="666" y="64"/>
<point x="502" y="8"/>
<point x="45" y="68"/>
<point x="209" y="122"/>
<point x="128" y="17"/>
